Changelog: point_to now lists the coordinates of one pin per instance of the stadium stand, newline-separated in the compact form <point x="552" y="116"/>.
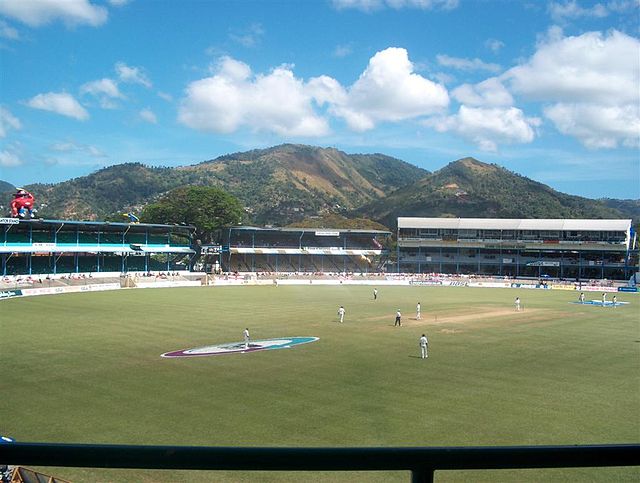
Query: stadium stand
<point x="52" y="247"/>
<point x="55" y="253"/>
<point x="307" y="250"/>
<point x="518" y="248"/>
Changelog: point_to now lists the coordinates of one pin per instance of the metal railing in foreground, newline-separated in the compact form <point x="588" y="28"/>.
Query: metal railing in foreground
<point x="421" y="462"/>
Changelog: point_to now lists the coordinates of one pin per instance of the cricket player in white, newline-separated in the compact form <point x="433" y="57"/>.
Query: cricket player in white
<point x="518" y="304"/>
<point x="604" y="298"/>
<point x="423" y="346"/>
<point x="245" y="335"/>
<point x="418" y="316"/>
<point x="581" y="297"/>
<point x="341" y="312"/>
<point x="615" y="300"/>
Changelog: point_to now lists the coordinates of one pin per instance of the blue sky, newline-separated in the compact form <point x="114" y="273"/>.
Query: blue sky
<point x="550" y="90"/>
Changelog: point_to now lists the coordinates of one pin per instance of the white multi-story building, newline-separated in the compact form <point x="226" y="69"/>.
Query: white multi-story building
<point x="560" y="248"/>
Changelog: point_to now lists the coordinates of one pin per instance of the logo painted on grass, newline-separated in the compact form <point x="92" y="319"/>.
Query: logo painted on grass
<point x="241" y="348"/>
<point x="6" y="439"/>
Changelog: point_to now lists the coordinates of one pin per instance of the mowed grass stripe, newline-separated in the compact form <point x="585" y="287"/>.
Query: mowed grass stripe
<point x="556" y="373"/>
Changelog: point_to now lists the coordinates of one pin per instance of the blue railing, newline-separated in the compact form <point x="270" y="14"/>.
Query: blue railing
<point x="421" y="462"/>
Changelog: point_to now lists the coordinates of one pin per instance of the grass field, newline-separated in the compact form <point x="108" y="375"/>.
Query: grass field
<point x="86" y="368"/>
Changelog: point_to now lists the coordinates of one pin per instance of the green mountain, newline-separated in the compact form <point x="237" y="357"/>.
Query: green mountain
<point x="278" y="185"/>
<point x="295" y="183"/>
<point x="6" y="192"/>
<point x="468" y="188"/>
<point x="628" y="208"/>
<point x="121" y="188"/>
<point x="4" y="187"/>
<point x="287" y="183"/>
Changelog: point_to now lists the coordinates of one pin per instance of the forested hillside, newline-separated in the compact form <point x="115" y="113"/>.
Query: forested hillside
<point x="301" y="184"/>
<point x="278" y="185"/>
<point x="472" y="189"/>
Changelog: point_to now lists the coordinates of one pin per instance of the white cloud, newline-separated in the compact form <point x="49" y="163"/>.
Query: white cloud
<point x="36" y="13"/>
<point x="132" y="75"/>
<point x="105" y="90"/>
<point x="443" y="78"/>
<point x="623" y="6"/>
<point x="562" y="12"/>
<point x="490" y="92"/>
<point x="7" y="121"/>
<point x="63" y="147"/>
<point x="489" y="126"/>
<point x="165" y="96"/>
<point x="147" y="115"/>
<point x="95" y="152"/>
<point x="466" y="64"/>
<point x="364" y="5"/>
<point x="327" y="90"/>
<point x="597" y="126"/>
<point x="342" y="51"/>
<point x="494" y="45"/>
<point x="81" y="149"/>
<point x="232" y="98"/>
<point x="9" y="159"/>
<point x="581" y="79"/>
<point x="249" y="37"/>
<point x="8" y="32"/>
<point x="571" y="9"/>
<point x="102" y="87"/>
<point x="373" y="5"/>
<point x="389" y="90"/>
<point x="60" y="103"/>
<point x="423" y="4"/>
<point x="590" y="67"/>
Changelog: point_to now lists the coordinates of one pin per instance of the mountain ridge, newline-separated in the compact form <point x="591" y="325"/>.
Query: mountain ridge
<point x="277" y="185"/>
<point x="289" y="183"/>
<point x="467" y="188"/>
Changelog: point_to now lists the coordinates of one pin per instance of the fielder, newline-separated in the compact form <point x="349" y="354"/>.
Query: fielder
<point x="424" y="343"/>
<point x="418" y="316"/>
<point x="341" y="312"/>
<point x="517" y="304"/>
<point x="581" y="297"/>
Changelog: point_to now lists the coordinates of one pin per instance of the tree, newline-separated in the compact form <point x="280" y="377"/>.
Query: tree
<point x="205" y="207"/>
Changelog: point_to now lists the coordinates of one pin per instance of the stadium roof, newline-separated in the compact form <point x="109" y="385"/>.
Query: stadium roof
<point x="108" y="226"/>
<point x="515" y="224"/>
<point x="310" y="230"/>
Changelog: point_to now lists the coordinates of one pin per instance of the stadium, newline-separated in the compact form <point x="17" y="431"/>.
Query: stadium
<point x="132" y="334"/>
